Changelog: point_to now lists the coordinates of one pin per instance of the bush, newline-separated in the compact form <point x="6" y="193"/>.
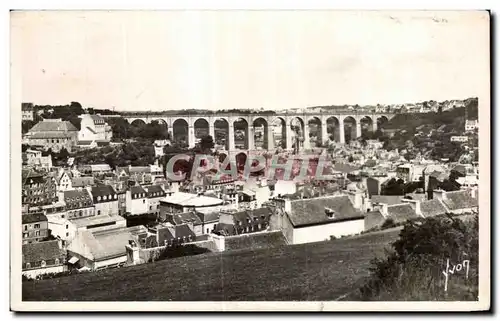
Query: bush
<point x="413" y="270"/>
<point x="388" y="223"/>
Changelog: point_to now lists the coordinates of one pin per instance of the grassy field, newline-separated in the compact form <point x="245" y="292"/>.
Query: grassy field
<point x="315" y="271"/>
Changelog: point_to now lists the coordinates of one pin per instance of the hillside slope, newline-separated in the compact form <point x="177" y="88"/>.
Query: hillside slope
<point x="315" y="271"/>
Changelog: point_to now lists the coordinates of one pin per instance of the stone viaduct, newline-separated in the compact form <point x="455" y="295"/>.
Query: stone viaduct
<point x="292" y="125"/>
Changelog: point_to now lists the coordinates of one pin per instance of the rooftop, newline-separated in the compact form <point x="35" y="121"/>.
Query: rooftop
<point x="94" y="220"/>
<point x="41" y="251"/>
<point x="33" y="218"/>
<point x="191" y="200"/>
<point x="53" y="125"/>
<point x="314" y="210"/>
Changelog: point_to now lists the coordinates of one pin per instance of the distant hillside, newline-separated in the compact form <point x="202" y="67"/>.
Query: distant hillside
<point x="454" y="117"/>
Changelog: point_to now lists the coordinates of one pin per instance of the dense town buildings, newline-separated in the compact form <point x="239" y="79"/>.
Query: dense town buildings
<point x="102" y="216"/>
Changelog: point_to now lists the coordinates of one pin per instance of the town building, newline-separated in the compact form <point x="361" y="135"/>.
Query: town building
<point x="182" y="218"/>
<point x="209" y="221"/>
<point x="458" y="202"/>
<point x="27" y="111"/>
<point x="54" y="134"/>
<point x="42" y="258"/>
<point x="155" y="194"/>
<point x="37" y="188"/>
<point x="461" y="139"/>
<point x="137" y="201"/>
<point x="241" y="222"/>
<point x="82" y="182"/>
<point x="78" y="203"/>
<point x="95" y="169"/>
<point x="105" y="200"/>
<point x="35" y="159"/>
<point x="471" y="125"/>
<point x="103" y="249"/>
<point x="94" y="128"/>
<point x="64" y="181"/>
<point x="183" y="202"/>
<point x="317" y="219"/>
<point x="35" y="227"/>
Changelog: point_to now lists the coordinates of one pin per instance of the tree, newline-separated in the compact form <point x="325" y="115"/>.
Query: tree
<point x="410" y="273"/>
<point x="206" y="143"/>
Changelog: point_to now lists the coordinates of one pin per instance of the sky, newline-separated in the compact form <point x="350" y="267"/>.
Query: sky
<point x="165" y="60"/>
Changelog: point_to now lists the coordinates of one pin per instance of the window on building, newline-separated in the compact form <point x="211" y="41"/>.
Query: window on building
<point x="28" y="265"/>
<point x="67" y="234"/>
<point x="98" y="198"/>
<point x="208" y="230"/>
<point x="25" y="227"/>
<point x="80" y="213"/>
<point x="150" y="208"/>
<point x="37" y="233"/>
<point x="143" y="201"/>
<point x="37" y="225"/>
<point x="43" y="263"/>
<point x="98" y="212"/>
<point x="67" y="226"/>
<point x="62" y="215"/>
<point x="25" y="235"/>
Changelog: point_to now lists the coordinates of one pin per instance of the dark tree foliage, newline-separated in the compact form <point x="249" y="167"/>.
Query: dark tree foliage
<point x="206" y="143"/>
<point x="27" y="125"/>
<point x="179" y="250"/>
<point x="413" y="269"/>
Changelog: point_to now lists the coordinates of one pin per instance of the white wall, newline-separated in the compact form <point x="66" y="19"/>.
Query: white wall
<point x="323" y="232"/>
<point x="116" y="260"/>
<point x="53" y="269"/>
<point x="107" y="208"/>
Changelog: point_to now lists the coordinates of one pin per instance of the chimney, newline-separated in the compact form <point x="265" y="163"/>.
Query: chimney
<point x="415" y="204"/>
<point x="439" y="194"/>
<point x="288" y="205"/>
<point x="384" y="209"/>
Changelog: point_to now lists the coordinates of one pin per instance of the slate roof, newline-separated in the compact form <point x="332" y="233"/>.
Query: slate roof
<point x="373" y="219"/>
<point x="459" y="200"/>
<point x="82" y="181"/>
<point x="77" y="199"/>
<point x="401" y="212"/>
<point x="97" y="119"/>
<point x="432" y="208"/>
<point x="208" y="217"/>
<point x="313" y="211"/>
<point x="187" y="217"/>
<point x="387" y="199"/>
<point x="41" y="251"/>
<point x="45" y="135"/>
<point x="101" y="191"/>
<point x="184" y="230"/>
<point x="137" y="191"/>
<point x="33" y="218"/>
<point x="155" y="191"/>
<point x="53" y="126"/>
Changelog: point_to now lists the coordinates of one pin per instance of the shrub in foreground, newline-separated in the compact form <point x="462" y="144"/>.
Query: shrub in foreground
<point x="413" y="270"/>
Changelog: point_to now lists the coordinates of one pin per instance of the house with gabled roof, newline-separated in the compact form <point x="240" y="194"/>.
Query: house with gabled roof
<point x="155" y="193"/>
<point x="317" y="219"/>
<point x="101" y="249"/>
<point x="42" y="258"/>
<point x="137" y="200"/>
<point x="79" y="203"/>
<point x="458" y="202"/>
<point x="105" y="200"/>
<point x="94" y="128"/>
<point x="54" y="134"/>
